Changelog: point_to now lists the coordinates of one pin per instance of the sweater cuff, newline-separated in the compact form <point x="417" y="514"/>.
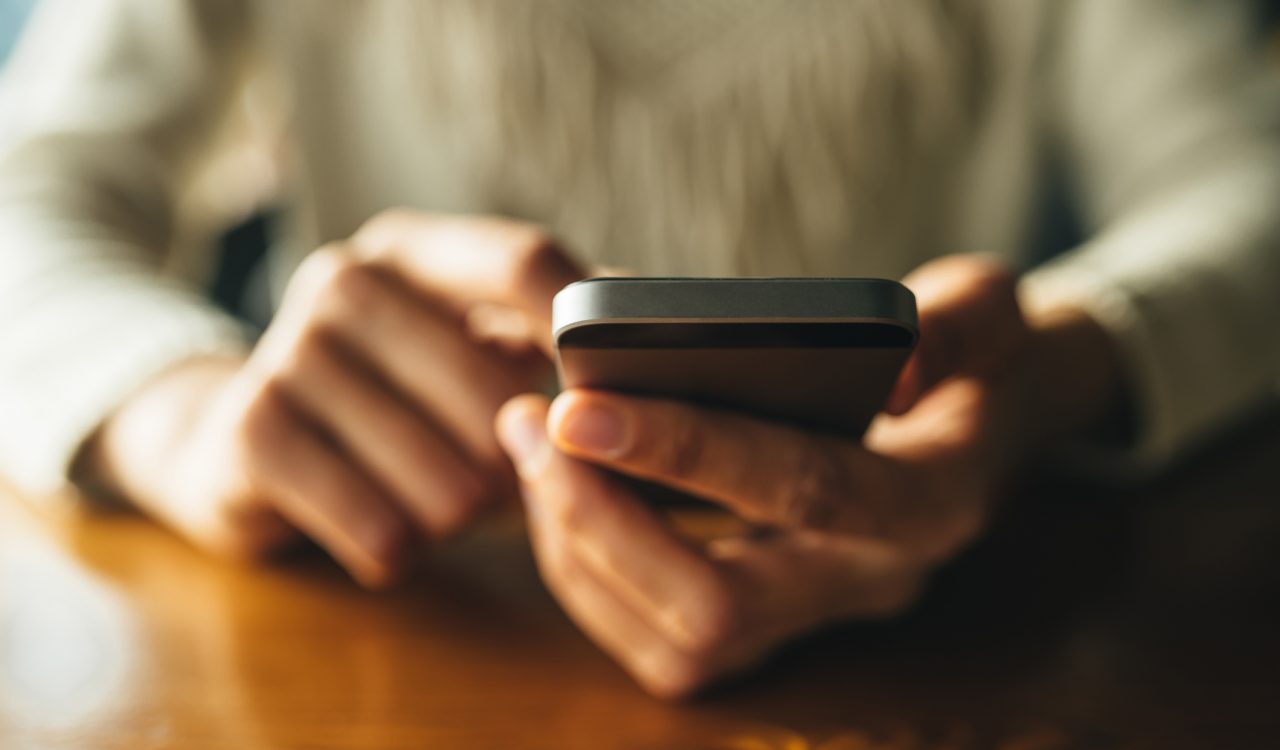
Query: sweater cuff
<point x="1184" y="385"/>
<point x="61" y="390"/>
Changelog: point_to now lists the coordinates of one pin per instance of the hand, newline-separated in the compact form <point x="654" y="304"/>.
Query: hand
<point x="364" y="417"/>
<point x="852" y="529"/>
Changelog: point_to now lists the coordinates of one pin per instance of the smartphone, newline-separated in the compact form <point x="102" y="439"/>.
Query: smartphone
<point x="817" y="353"/>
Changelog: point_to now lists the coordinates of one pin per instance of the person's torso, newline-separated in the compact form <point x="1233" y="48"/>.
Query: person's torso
<point x="669" y="137"/>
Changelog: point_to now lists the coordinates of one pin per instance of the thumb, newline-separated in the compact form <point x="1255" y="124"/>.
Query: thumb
<point x="970" y="324"/>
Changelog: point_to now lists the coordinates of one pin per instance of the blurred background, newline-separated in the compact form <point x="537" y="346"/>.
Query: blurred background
<point x="239" y="218"/>
<point x="12" y="15"/>
<point x="230" y="204"/>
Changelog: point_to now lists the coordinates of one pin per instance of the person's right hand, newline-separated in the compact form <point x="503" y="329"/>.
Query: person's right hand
<point x="364" y="416"/>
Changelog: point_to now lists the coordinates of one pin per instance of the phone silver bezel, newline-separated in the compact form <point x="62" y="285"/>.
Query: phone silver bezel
<point x="619" y="300"/>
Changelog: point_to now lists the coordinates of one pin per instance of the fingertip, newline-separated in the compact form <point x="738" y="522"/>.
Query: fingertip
<point x="381" y="579"/>
<point x="519" y="408"/>
<point x="521" y="425"/>
<point x="563" y="401"/>
<point x="388" y="551"/>
<point x="590" y="424"/>
<point x="568" y="401"/>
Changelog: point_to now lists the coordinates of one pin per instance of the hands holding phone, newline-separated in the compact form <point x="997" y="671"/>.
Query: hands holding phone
<point x="364" y="419"/>
<point x="851" y="529"/>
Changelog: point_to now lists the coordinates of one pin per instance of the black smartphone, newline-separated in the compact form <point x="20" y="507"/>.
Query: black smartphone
<point x="819" y="353"/>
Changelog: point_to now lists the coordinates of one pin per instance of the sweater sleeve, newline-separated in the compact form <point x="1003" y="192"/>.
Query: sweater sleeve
<point x="106" y="107"/>
<point x="1166" y="111"/>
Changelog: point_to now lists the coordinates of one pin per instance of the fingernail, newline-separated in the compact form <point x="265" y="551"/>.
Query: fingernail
<point x="594" y="428"/>
<point x="525" y="438"/>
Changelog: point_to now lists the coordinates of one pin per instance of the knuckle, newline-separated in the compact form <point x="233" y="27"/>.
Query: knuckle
<point x="386" y="541"/>
<point x="295" y="361"/>
<point x="996" y="280"/>
<point x="453" y="521"/>
<point x="672" y="675"/>
<point x="530" y="244"/>
<point x="350" y="286"/>
<point x="531" y="249"/>
<point x="819" y="486"/>
<point x="572" y="514"/>
<point x="682" y="450"/>
<point x="478" y="488"/>
<point x="998" y="287"/>
<point x="558" y="565"/>
<point x="258" y="433"/>
<point x="489" y="453"/>
<point x="977" y="272"/>
<point x="316" y="269"/>
<point x="459" y="509"/>
<point x="559" y="569"/>
<point x="332" y="282"/>
<point x="715" y="623"/>
<point x="261" y="419"/>
<point x="250" y="543"/>
<point x="572" y="518"/>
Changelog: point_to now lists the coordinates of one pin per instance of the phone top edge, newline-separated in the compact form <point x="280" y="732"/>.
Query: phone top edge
<point x="626" y="300"/>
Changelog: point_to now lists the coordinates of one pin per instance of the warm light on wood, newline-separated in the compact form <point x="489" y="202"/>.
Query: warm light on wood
<point x="1124" y="620"/>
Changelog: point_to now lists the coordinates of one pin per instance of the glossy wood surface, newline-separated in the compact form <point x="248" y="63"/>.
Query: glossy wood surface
<point x="1146" y="618"/>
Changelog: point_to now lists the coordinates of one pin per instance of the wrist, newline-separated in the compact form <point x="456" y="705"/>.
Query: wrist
<point x="1075" y="384"/>
<point x="133" y="451"/>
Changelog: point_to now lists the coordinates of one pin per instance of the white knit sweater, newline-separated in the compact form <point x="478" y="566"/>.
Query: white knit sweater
<point x="834" y="137"/>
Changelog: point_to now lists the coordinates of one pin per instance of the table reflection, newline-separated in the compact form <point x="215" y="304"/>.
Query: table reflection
<point x="1081" y="622"/>
<point x="67" y="640"/>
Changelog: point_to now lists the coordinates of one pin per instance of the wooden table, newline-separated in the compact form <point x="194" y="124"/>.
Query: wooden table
<point x="1148" y="618"/>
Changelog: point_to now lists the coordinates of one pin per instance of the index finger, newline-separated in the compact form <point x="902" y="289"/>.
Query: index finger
<point x="765" y="472"/>
<point x="624" y="542"/>
<point x="462" y="261"/>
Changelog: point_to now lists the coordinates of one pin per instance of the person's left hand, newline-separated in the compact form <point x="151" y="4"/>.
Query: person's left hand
<point x="852" y="528"/>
